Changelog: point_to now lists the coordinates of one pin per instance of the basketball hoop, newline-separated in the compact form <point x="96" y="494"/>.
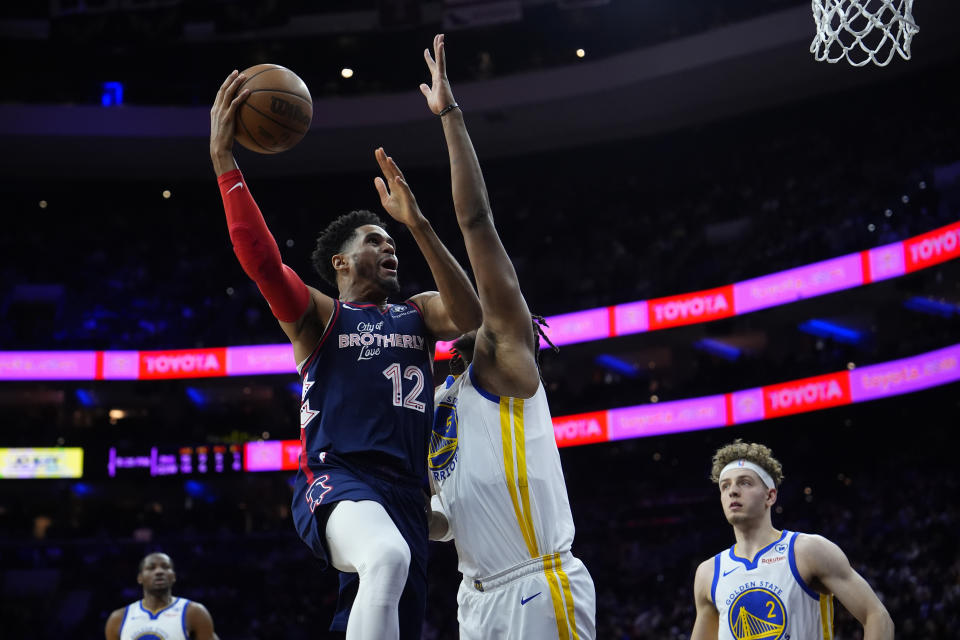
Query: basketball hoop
<point x="862" y="31"/>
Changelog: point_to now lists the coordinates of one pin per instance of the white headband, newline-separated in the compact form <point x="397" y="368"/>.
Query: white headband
<point x="746" y="464"/>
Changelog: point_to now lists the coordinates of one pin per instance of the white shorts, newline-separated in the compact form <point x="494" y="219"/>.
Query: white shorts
<point x="544" y="598"/>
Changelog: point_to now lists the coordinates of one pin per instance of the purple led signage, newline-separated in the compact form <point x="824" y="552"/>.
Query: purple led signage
<point x="905" y="376"/>
<point x="667" y="417"/>
<point x="775" y="289"/>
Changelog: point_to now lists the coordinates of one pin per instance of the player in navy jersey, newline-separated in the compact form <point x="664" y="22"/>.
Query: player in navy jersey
<point x="771" y="583"/>
<point x="159" y="614"/>
<point x="366" y="367"/>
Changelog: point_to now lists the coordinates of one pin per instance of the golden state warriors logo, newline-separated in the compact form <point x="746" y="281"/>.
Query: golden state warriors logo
<point x="758" y="614"/>
<point x="443" y="441"/>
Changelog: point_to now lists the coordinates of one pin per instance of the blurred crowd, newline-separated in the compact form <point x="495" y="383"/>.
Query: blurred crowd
<point x="148" y="265"/>
<point x="118" y="266"/>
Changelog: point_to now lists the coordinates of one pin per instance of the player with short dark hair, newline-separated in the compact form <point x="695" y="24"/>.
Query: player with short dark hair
<point x="367" y="370"/>
<point x="774" y="583"/>
<point x="495" y="468"/>
<point x="159" y="614"/>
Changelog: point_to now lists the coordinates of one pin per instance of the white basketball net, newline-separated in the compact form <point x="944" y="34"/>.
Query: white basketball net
<point x="862" y="31"/>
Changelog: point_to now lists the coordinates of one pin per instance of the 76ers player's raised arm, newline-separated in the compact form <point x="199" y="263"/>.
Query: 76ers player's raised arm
<point x="367" y="370"/>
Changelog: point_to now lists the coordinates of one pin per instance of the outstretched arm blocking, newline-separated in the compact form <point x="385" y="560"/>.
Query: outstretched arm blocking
<point x="456" y="309"/>
<point x="504" y="353"/>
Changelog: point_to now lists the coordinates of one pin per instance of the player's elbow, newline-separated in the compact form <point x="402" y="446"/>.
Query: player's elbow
<point x="879" y="622"/>
<point x="478" y="216"/>
<point x="467" y="313"/>
<point x="470" y="318"/>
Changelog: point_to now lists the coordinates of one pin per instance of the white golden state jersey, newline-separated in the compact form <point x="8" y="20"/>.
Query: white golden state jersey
<point x="766" y="598"/>
<point x="170" y="623"/>
<point x="495" y="466"/>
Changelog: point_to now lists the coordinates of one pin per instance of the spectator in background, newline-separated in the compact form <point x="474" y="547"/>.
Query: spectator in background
<point x="159" y="614"/>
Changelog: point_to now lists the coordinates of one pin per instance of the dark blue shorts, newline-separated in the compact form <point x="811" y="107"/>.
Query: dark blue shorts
<point x="403" y="499"/>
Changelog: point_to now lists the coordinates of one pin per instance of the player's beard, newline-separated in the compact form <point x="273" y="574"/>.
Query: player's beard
<point x="390" y="285"/>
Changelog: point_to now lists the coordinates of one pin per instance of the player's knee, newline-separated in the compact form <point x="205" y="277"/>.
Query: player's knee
<point x="392" y="558"/>
<point x="385" y="573"/>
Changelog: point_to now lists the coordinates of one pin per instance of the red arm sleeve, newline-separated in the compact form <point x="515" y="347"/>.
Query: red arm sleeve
<point x="258" y="253"/>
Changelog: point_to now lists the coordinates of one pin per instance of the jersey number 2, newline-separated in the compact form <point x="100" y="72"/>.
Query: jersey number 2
<point x="410" y="373"/>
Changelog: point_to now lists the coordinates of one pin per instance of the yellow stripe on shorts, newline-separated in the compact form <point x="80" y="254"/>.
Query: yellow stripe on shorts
<point x="557" y="596"/>
<point x="568" y="596"/>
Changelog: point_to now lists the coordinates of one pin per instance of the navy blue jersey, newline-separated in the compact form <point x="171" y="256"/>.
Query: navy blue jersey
<point x="368" y="388"/>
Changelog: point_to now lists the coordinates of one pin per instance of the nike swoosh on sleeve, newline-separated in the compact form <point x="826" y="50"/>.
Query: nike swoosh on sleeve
<point x="239" y="184"/>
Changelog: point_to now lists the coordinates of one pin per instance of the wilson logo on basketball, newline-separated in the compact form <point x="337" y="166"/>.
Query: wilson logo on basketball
<point x="807" y="395"/>
<point x="280" y="107"/>
<point x="701" y="306"/>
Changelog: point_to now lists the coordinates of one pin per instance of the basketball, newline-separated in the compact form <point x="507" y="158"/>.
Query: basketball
<point x="277" y="113"/>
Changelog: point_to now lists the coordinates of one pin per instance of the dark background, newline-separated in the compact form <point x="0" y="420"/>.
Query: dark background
<point x="697" y="144"/>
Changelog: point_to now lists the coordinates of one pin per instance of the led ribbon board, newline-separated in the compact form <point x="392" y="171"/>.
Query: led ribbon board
<point x="872" y="382"/>
<point x="784" y="287"/>
<point x="883" y="380"/>
<point x="863" y="384"/>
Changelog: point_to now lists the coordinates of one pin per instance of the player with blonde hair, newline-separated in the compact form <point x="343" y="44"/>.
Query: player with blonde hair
<point x="772" y="583"/>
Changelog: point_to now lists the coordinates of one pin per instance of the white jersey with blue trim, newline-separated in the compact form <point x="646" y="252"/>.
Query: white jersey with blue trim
<point x="169" y="623"/>
<point x="495" y="466"/>
<point x="767" y="598"/>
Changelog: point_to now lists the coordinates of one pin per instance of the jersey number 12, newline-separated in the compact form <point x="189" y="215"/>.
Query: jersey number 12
<point x="410" y="373"/>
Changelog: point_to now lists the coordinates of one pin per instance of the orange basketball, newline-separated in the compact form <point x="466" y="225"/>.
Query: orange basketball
<point x="277" y="113"/>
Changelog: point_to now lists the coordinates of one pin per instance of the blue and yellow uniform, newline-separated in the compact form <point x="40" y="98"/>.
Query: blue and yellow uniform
<point x="169" y="623"/>
<point x="766" y="597"/>
<point x="496" y="472"/>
